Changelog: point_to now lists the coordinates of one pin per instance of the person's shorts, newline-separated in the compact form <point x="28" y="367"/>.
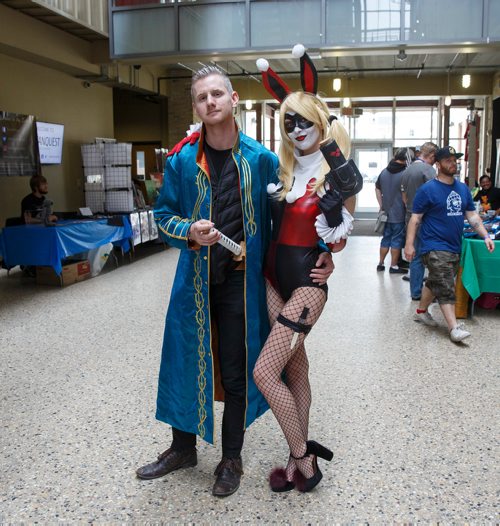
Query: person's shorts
<point x="394" y="235"/>
<point x="442" y="267"/>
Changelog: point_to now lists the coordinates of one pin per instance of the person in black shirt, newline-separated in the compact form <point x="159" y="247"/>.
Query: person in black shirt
<point x="489" y="195"/>
<point x="32" y="205"/>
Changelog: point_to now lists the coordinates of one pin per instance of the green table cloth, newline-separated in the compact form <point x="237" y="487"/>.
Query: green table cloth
<point x="481" y="270"/>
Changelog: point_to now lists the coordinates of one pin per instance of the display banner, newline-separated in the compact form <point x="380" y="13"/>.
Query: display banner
<point x="19" y="145"/>
<point x="50" y="142"/>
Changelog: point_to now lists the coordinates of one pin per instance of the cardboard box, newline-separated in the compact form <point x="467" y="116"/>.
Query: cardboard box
<point x="71" y="273"/>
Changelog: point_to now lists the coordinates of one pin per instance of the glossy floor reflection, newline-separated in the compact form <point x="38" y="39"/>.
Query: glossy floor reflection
<point x="411" y="417"/>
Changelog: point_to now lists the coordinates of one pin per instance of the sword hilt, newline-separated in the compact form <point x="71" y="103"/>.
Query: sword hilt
<point x="231" y="245"/>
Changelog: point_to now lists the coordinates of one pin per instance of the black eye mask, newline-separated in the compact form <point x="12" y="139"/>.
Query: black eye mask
<point x="293" y="121"/>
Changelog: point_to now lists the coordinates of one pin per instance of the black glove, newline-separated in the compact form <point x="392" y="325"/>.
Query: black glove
<point x="331" y="206"/>
<point x="344" y="175"/>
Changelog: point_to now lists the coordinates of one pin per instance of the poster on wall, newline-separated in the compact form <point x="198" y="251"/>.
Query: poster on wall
<point x="19" y="145"/>
<point x="50" y="142"/>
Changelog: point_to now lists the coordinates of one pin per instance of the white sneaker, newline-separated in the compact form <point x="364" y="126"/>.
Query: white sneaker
<point x="425" y="318"/>
<point x="459" y="333"/>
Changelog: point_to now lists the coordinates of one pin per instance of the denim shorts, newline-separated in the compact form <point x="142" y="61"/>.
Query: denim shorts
<point x="394" y="235"/>
<point x="442" y="269"/>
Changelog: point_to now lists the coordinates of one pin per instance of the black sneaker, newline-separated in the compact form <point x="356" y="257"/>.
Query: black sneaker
<point x="398" y="271"/>
<point x="380" y="268"/>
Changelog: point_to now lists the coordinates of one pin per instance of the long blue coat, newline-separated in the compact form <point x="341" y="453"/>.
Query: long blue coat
<point x="186" y="383"/>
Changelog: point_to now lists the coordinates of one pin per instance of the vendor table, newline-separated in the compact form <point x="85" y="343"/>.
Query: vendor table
<point x="479" y="272"/>
<point x="41" y="245"/>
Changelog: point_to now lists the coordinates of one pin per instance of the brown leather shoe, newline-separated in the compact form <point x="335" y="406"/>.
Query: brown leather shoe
<point x="228" y="474"/>
<point x="168" y="461"/>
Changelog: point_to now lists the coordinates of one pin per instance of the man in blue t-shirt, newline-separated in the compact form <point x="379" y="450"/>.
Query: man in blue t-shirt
<point x="439" y="208"/>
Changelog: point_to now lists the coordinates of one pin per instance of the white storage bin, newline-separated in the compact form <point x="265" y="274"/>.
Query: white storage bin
<point x="119" y="201"/>
<point x="94" y="187"/>
<point x="93" y="174"/>
<point x="118" y="177"/>
<point x="94" y="199"/>
<point x="93" y="154"/>
<point x="120" y="153"/>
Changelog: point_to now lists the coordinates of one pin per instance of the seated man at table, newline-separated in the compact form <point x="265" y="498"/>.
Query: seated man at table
<point x="489" y="195"/>
<point x="35" y="205"/>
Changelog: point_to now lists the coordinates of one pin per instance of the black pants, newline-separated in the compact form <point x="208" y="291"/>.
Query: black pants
<point x="227" y="308"/>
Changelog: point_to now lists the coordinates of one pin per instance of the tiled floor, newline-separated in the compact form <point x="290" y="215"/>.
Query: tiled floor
<point x="412" y="418"/>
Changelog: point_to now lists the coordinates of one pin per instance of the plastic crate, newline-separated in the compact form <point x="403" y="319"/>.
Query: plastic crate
<point x="119" y="201"/>
<point x="118" y="177"/>
<point x="93" y="155"/>
<point x="118" y="154"/>
<point x="95" y="199"/>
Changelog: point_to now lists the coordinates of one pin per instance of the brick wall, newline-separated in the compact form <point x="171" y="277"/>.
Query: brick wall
<point x="180" y="110"/>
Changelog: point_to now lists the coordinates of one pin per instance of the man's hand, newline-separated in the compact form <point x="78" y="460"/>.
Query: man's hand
<point x="323" y="270"/>
<point x="203" y="233"/>
<point x="409" y="251"/>
<point x="490" y="244"/>
<point x="53" y="218"/>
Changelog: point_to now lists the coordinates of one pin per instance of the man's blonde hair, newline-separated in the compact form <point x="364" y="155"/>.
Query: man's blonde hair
<point x="427" y="149"/>
<point x="206" y="72"/>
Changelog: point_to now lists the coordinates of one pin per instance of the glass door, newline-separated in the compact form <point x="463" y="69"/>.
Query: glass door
<point x="371" y="158"/>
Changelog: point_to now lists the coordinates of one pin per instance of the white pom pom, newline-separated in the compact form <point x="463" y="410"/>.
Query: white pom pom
<point x="290" y="197"/>
<point x="298" y="50"/>
<point x="262" y="64"/>
<point x="271" y="188"/>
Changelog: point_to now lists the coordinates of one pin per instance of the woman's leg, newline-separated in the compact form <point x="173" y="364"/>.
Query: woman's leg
<point x="275" y="356"/>
<point x="298" y="364"/>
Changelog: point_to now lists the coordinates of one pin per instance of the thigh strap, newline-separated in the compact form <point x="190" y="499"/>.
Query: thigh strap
<point x="296" y="326"/>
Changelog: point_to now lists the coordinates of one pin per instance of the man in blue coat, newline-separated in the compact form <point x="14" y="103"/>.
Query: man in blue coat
<point x="214" y="182"/>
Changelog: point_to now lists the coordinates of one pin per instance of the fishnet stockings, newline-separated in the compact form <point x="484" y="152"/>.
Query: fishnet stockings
<point x="289" y="402"/>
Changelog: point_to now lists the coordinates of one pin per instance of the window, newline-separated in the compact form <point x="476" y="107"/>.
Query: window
<point x="414" y="126"/>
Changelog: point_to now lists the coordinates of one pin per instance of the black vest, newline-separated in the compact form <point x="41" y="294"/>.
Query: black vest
<point x="227" y="215"/>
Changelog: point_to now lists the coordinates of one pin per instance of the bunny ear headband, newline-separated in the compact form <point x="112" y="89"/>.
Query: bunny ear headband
<point x="277" y="87"/>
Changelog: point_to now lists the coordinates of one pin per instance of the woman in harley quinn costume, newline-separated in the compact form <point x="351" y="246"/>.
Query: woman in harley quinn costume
<point x="309" y="215"/>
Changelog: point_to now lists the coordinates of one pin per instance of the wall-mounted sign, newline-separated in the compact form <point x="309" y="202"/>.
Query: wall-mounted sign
<point x="50" y="142"/>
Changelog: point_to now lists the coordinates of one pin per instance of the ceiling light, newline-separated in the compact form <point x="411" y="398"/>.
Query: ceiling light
<point x="402" y="56"/>
<point x="337" y="83"/>
<point x="248" y="104"/>
<point x="346" y="102"/>
<point x="447" y="100"/>
<point x="465" y="81"/>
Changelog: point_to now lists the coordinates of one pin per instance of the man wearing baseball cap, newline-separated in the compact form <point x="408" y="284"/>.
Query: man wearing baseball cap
<point x="439" y="208"/>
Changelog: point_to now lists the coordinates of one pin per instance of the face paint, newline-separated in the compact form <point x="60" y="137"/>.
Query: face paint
<point x="293" y="120"/>
<point x="304" y="133"/>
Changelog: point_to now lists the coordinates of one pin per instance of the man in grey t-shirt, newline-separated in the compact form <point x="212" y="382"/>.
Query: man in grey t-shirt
<point x="418" y="173"/>
<point x="388" y="193"/>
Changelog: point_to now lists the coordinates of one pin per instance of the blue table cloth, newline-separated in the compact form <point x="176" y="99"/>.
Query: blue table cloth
<point x="48" y="245"/>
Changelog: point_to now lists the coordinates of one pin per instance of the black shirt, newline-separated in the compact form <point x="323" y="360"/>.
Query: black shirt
<point x="227" y="214"/>
<point x="216" y="160"/>
<point x="32" y="204"/>
<point x="492" y="196"/>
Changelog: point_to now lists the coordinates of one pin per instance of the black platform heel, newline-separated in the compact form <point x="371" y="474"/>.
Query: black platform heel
<point x="313" y="448"/>
<point x="317" y="450"/>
